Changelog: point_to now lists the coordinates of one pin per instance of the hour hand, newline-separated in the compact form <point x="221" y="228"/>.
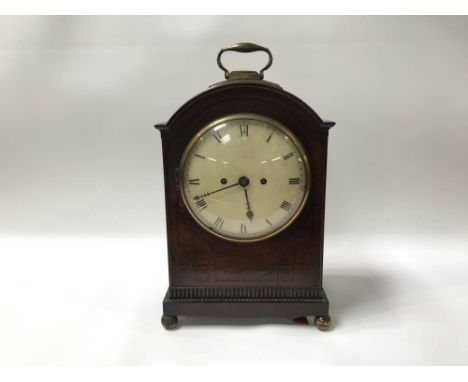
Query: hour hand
<point x="249" y="210"/>
<point x="244" y="182"/>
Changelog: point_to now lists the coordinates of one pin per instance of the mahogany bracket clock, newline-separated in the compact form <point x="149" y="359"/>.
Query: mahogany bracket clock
<point x="244" y="174"/>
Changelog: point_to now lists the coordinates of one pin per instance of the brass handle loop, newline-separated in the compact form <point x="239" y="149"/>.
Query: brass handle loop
<point x="245" y="47"/>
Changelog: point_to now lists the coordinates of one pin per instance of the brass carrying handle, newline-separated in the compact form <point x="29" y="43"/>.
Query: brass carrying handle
<point x="245" y="47"/>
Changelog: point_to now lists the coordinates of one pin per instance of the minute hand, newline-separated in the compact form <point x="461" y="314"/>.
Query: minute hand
<point x="221" y="189"/>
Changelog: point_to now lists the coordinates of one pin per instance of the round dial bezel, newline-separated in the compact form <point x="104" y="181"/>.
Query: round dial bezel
<point x="261" y="118"/>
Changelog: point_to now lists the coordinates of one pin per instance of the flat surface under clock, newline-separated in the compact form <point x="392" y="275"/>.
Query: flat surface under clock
<point x="393" y="300"/>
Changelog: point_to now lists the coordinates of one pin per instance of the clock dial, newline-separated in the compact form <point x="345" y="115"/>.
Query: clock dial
<point x="244" y="177"/>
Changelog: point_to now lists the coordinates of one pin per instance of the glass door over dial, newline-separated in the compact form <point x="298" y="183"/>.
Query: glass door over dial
<point x="244" y="177"/>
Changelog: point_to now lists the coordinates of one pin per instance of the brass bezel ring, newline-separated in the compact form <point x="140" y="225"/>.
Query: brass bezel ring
<point x="256" y="117"/>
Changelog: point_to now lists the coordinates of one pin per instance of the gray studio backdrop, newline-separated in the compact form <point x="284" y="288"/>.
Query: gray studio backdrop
<point x="79" y="96"/>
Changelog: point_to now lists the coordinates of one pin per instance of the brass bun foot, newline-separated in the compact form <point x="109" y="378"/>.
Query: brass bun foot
<point x="322" y="323"/>
<point x="169" y="322"/>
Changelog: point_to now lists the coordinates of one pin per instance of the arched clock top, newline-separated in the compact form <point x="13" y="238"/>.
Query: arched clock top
<point x="258" y="96"/>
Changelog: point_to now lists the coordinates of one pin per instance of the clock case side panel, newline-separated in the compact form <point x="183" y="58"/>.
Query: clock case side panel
<point x="168" y="181"/>
<point x="286" y="268"/>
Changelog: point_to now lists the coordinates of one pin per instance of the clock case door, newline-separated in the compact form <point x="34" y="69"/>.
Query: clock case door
<point x="280" y="276"/>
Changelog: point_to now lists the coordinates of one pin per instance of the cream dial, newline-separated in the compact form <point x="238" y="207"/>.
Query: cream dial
<point x="244" y="177"/>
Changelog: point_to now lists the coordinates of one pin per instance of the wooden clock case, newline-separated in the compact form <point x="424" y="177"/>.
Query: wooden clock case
<point x="280" y="276"/>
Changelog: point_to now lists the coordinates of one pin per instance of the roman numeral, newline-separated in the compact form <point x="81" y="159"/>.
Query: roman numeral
<point x="243" y="228"/>
<point x="294" y="180"/>
<point x="219" y="222"/>
<point x="269" y="223"/>
<point x="287" y="156"/>
<point x="269" y="137"/>
<point x="286" y="206"/>
<point x="201" y="204"/>
<point x="195" y="182"/>
<point x="218" y="136"/>
<point x="200" y="156"/>
<point x="244" y="129"/>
